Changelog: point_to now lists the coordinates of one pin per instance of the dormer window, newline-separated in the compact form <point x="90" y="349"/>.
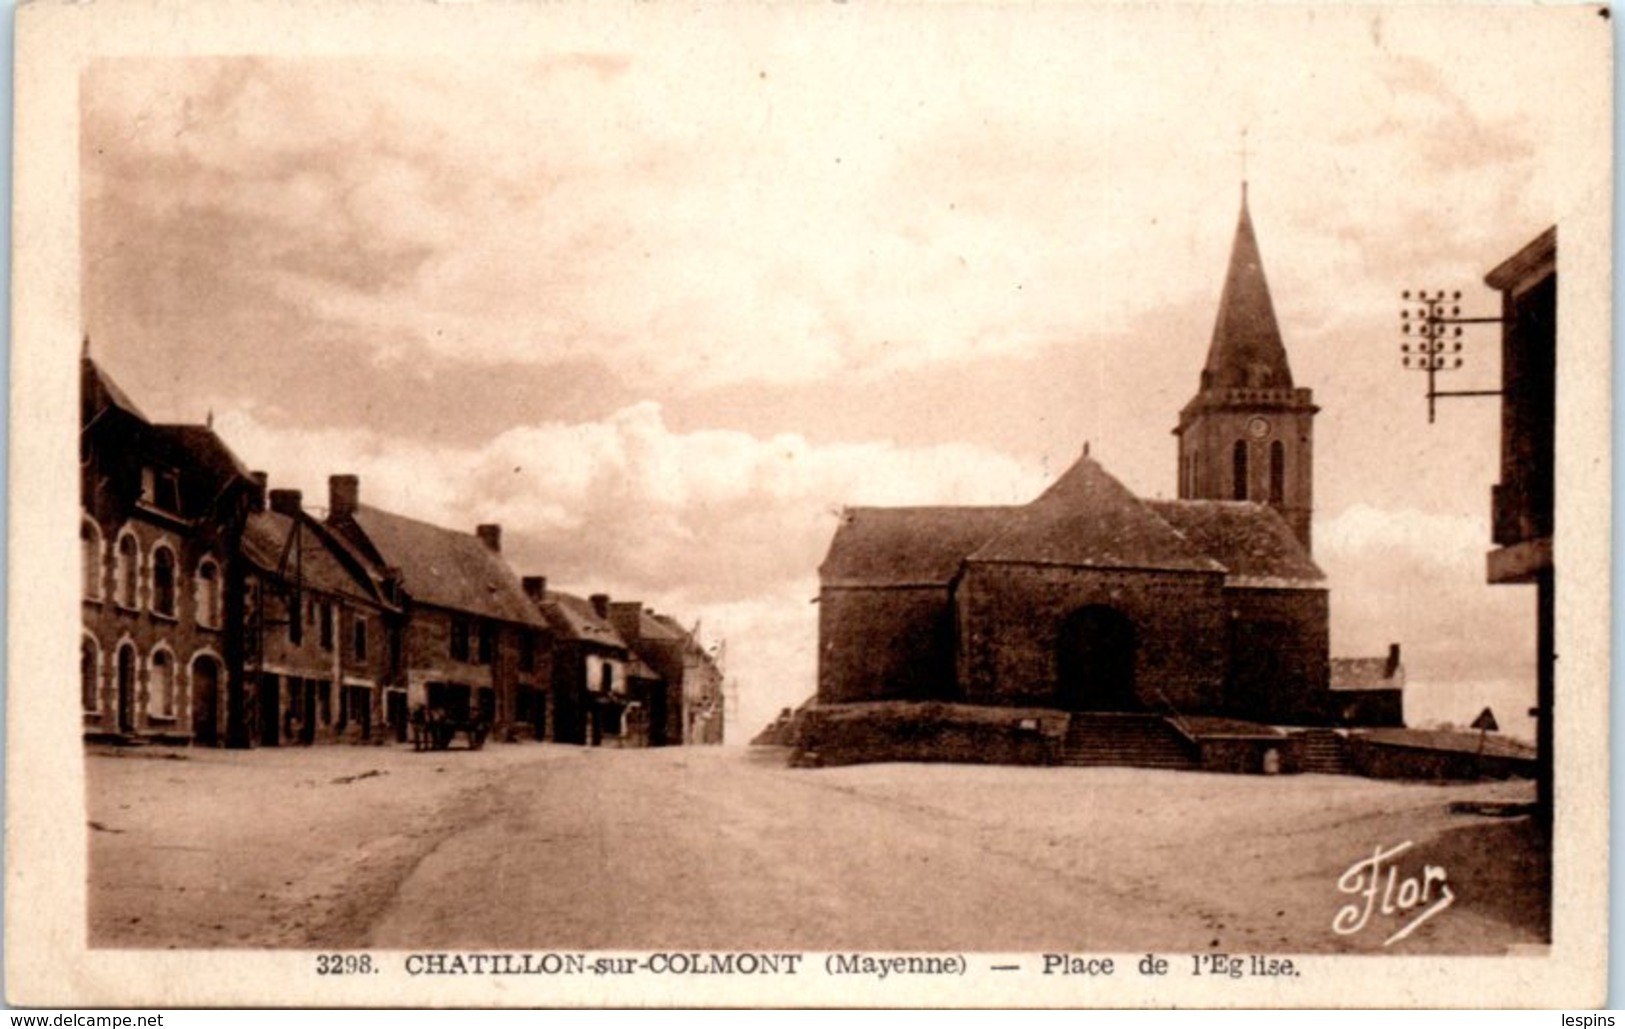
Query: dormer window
<point x="160" y="488"/>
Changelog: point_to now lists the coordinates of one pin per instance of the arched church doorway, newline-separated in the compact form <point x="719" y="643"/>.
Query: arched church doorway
<point x="1095" y="661"/>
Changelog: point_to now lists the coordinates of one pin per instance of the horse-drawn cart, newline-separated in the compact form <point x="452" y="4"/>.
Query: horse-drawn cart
<point x="436" y="730"/>
<point x="452" y="710"/>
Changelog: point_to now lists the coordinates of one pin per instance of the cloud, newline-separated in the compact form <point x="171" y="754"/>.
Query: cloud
<point x="628" y="501"/>
<point x="1417" y="578"/>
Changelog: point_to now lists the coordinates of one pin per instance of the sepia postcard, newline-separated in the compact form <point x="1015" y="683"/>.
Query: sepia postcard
<point x="949" y="505"/>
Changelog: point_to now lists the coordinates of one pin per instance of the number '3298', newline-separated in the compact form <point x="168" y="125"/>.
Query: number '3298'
<point x="344" y="964"/>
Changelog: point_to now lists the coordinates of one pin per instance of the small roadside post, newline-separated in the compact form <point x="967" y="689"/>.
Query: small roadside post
<point x="1485" y="724"/>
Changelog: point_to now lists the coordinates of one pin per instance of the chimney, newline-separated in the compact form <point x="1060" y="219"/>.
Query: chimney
<point x="262" y="481"/>
<point x="626" y="618"/>
<point x="1393" y="661"/>
<point x="287" y="502"/>
<point x="535" y="587"/>
<point x="390" y="580"/>
<point x="343" y="497"/>
<point x="491" y="536"/>
<point x="600" y="604"/>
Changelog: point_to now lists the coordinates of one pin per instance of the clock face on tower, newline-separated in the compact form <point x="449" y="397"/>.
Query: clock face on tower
<point x="1258" y="428"/>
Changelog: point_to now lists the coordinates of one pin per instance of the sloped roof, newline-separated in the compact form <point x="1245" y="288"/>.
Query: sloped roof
<point x="314" y="563"/>
<point x="906" y="546"/>
<point x="1361" y="673"/>
<point x="1252" y="541"/>
<point x="637" y="668"/>
<point x="100" y="391"/>
<point x="1458" y="741"/>
<point x="653" y="627"/>
<point x="1246" y="350"/>
<point x="1088" y="519"/>
<point x="200" y="445"/>
<point x="573" y="618"/>
<point x="447" y="568"/>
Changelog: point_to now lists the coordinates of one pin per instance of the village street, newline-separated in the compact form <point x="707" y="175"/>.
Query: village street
<point x="540" y="846"/>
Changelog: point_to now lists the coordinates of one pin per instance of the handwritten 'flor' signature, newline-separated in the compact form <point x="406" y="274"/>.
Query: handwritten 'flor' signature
<point x="1379" y="875"/>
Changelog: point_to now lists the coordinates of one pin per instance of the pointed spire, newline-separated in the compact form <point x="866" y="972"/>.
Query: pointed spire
<point x="1246" y="350"/>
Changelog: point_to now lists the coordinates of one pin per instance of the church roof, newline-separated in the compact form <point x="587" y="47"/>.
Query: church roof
<point x="1089" y="519"/>
<point x="906" y="546"/>
<point x="1252" y="541"/>
<point x="1246" y="351"/>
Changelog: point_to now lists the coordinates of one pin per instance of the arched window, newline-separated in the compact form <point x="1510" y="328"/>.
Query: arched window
<point x="161" y="684"/>
<point x="163" y="580"/>
<point x="128" y="571"/>
<point x="124" y="688"/>
<point x="1239" y="469"/>
<point x="1277" y="472"/>
<point x="90" y="660"/>
<point x="208" y="593"/>
<point x="90" y="551"/>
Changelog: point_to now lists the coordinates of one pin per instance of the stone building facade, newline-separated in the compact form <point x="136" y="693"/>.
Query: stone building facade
<point x="322" y="633"/>
<point x="625" y="675"/>
<point x="162" y="511"/>
<point x="472" y="642"/>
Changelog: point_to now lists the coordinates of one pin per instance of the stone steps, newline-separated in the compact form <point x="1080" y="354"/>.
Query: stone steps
<point x="1324" y="753"/>
<point x="1135" y="741"/>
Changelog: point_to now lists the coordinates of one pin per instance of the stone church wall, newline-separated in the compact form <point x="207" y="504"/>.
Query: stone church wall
<point x="844" y="734"/>
<point x="1011" y="615"/>
<point x="1278" y="641"/>
<point x="893" y="643"/>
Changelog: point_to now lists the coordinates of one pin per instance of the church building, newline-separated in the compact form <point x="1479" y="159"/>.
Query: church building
<point x="1090" y="599"/>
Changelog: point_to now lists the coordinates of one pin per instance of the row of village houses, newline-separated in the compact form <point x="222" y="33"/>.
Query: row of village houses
<point x="220" y="611"/>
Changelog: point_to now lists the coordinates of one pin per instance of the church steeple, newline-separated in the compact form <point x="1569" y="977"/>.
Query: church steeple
<point x="1246" y="350"/>
<point x="1248" y="432"/>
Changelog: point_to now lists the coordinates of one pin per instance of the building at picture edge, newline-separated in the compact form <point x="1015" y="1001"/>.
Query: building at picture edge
<point x="218" y="611"/>
<point x="1091" y="626"/>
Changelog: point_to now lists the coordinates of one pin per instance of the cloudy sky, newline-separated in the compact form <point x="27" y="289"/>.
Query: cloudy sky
<point x="661" y="294"/>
